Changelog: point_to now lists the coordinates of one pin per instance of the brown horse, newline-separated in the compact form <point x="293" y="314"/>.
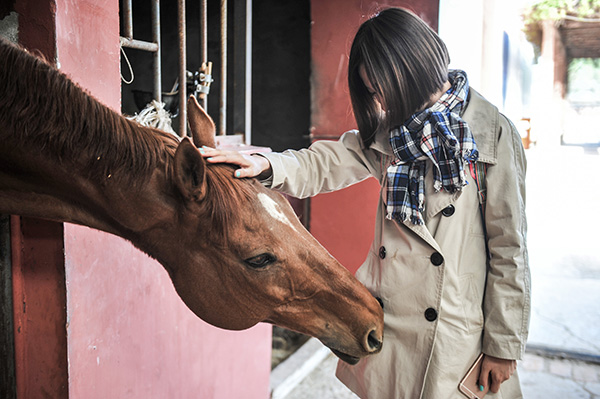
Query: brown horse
<point x="235" y="251"/>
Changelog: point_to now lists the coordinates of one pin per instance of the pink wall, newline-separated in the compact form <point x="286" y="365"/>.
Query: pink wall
<point x="344" y="221"/>
<point x="129" y="334"/>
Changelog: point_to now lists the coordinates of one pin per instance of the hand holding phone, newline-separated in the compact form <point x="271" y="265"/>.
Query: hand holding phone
<point x="469" y="386"/>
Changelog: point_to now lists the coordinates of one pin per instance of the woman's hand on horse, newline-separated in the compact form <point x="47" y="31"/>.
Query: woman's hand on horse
<point x="249" y="165"/>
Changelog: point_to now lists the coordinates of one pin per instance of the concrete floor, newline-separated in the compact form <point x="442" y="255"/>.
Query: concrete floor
<point x="563" y="197"/>
<point x="541" y="378"/>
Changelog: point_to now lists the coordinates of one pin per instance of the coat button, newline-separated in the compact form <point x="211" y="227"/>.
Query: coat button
<point x="431" y="314"/>
<point x="437" y="258"/>
<point x="448" y="211"/>
<point x="382" y="252"/>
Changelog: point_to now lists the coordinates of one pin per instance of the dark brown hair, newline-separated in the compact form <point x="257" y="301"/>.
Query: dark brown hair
<point x="405" y="61"/>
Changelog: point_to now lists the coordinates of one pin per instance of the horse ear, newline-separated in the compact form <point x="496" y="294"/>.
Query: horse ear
<point x="190" y="171"/>
<point x="202" y="126"/>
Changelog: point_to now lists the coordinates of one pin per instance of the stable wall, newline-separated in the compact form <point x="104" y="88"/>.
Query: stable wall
<point x="344" y="221"/>
<point x="120" y="330"/>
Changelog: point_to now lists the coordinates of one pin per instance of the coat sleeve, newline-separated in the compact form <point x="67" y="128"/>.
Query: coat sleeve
<point x="323" y="167"/>
<point x="507" y="297"/>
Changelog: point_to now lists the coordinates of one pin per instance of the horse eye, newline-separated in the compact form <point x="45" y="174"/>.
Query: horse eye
<point x="260" y="261"/>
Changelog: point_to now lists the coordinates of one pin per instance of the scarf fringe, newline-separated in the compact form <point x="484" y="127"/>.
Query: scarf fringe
<point x="403" y="217"/>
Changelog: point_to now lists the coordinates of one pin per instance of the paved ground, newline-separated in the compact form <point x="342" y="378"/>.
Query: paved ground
<point x="564" y="246"/>
<point x="541" y="378"/>
<point x="563" y="190"/>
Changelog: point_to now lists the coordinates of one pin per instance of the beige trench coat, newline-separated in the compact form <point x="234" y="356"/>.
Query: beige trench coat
<point x="440" y="312"/>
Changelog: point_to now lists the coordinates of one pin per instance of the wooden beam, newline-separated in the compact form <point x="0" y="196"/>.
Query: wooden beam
<point x="7" y="350"/>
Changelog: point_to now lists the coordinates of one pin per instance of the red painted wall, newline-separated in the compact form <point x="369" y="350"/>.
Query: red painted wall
<point x="39" y="300"/>
<point x="130" y="336"/>
<point x="344" y="221"/>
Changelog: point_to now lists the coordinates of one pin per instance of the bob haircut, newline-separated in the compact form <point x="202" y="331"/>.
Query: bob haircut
<point x="405" y="61"/>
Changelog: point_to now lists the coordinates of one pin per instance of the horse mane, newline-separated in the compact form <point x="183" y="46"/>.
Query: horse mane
<point x="225" y="196"/>
<point x="51" y="113"/>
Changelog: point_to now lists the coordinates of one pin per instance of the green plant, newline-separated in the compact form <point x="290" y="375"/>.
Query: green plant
<point x="557" y="11"/>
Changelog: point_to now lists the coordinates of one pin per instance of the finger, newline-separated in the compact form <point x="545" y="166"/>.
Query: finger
<point x="244" y="172"/>
<point x="233" y="157"/>
<point x="215" y="151"/>
<point x="484" y="374"/>
<point x="495" y="386"/>
<point x="207" y="151"/>
<point x="219" y="158"/>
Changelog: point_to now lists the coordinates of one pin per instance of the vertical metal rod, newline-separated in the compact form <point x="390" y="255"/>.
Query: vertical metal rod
<point x="157" y="87"/>
<point x="182" y="70"/>
<point x="223" y="97"/>
<point x="127" y="19"/>
<point x="248" y="88"/>
<point x="242" y="68"/>
<point x="203" y="43"/>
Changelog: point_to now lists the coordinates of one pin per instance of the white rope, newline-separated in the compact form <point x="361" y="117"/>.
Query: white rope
<point x="130" y="69"/>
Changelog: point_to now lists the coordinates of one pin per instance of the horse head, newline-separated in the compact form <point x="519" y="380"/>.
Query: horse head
<point x="246" y="258"/>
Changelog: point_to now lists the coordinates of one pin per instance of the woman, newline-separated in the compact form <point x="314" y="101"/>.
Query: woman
<point x="422" y="132"/>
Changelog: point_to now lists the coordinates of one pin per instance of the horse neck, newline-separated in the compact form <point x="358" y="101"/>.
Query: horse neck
<point x="65" y="156"/>
<point x="36" y="184"/>
<point x="82" y="164"/>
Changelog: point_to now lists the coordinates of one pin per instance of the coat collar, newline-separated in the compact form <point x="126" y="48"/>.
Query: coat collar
<point x="484" y="120"/>
<point x="480" y="115"/>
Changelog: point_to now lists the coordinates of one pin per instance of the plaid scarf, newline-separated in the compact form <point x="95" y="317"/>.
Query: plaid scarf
<point x="437" y="134"/>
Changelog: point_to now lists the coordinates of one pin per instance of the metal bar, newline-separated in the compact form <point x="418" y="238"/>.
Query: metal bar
<point x="182" y="69"/>
<point x="138" y="44"/>
<point x="203" y="43"/>
<point x="223" y="96"/>
<point x="248" y="89"/>
<point x="127" y="19"/>
<point x="157" y="87"/>
<point x="242" y="65"/>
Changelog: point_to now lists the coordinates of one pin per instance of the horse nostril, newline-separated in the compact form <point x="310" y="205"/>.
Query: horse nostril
<point x="374" y="342"/>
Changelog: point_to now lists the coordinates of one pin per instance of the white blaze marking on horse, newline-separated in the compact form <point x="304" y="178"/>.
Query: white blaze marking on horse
<point x="274" y="210"/>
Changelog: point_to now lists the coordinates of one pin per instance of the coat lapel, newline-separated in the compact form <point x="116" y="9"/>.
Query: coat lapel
<point x="483" y="119"/>
<point x="422" y="231"/>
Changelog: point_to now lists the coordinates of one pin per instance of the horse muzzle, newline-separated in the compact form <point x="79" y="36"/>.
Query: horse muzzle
<point x="371" y="344"/>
